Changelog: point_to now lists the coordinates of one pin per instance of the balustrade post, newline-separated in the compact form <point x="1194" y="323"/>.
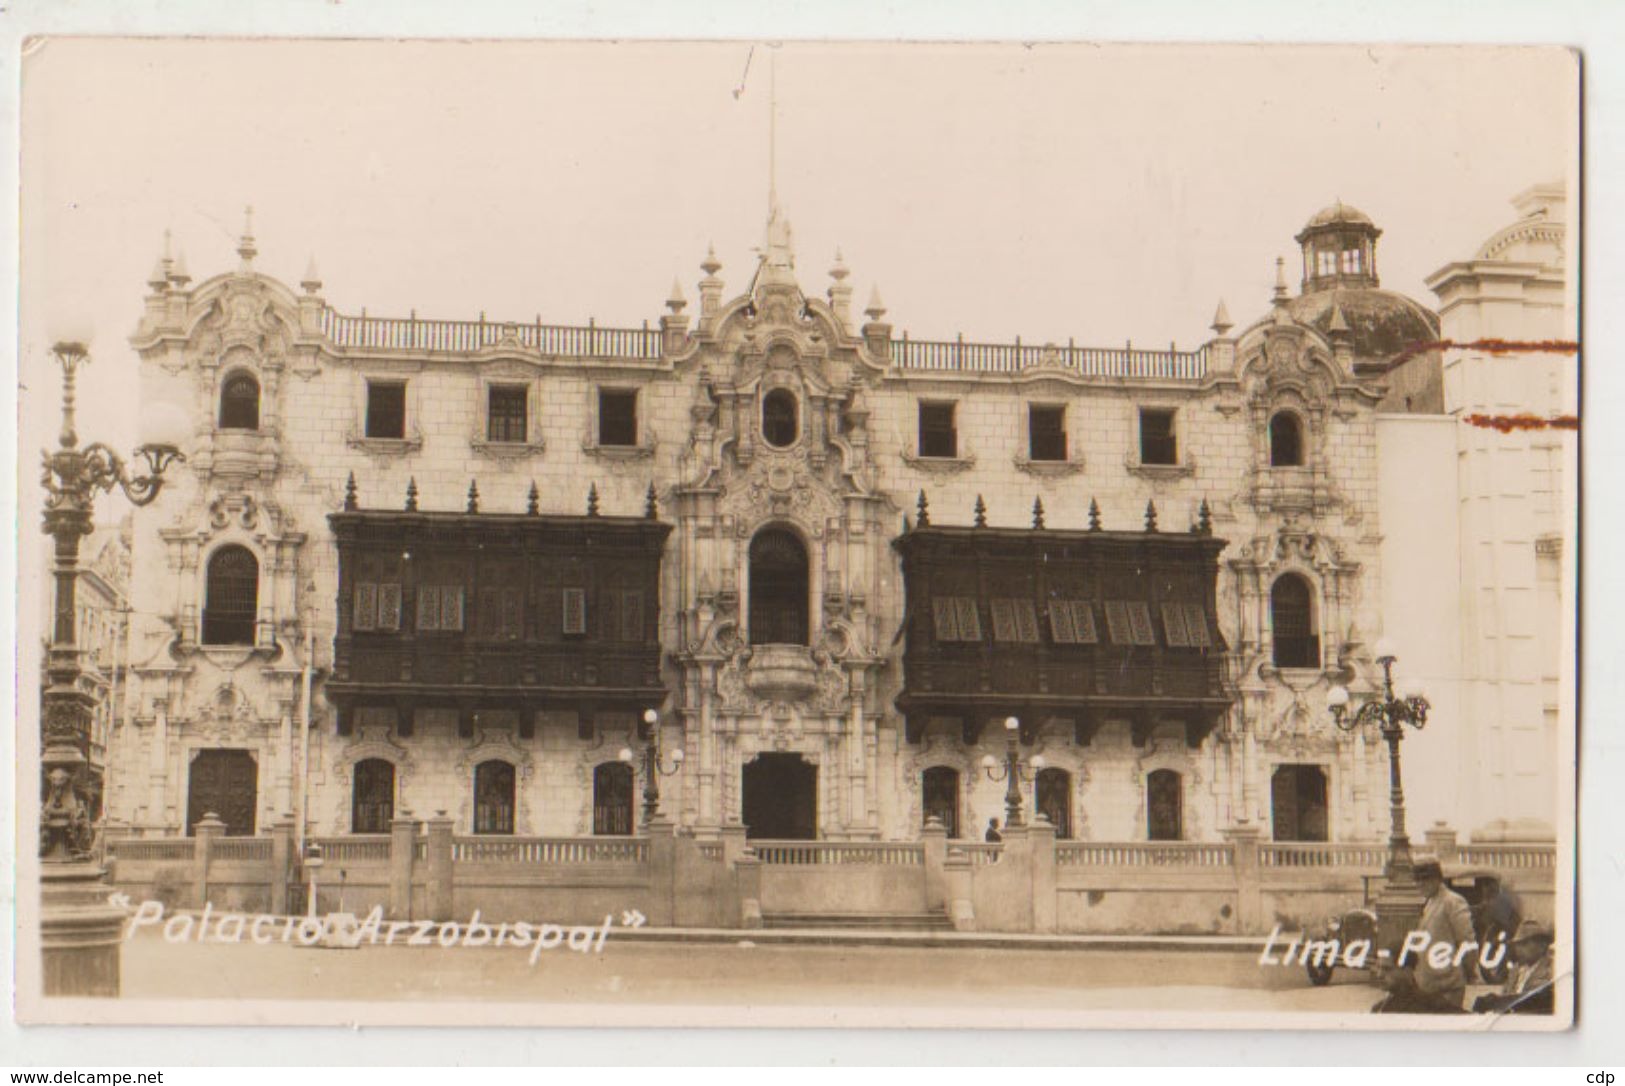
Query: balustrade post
<point x="403" y="837"/>
<point x="209" y="830"/>
<point x="957" y="875"/>
<point x="1243" y="839"/>
<point x="282" y="857"/>
<point x="1041" y="847"/>
<point x="437" y="861"/>
<point x="748" y="889"/>
<point x="1441" y="839"/>
<point x="934" y="838"/>
<point x="662" y="871"/>
<point x="733" y="841"/>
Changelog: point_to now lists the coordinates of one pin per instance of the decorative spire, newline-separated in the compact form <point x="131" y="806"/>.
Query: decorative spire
<point x="778" y="267"/>
<point x="1038" y="514"/>
<point x="349" y="493"/>
<point x="839" y="271"/>
<point x="312" y="282"/>
<point x="876" y="308"/>
<point x="245" y="245"/>
<point x="675" y="301"/>
<point x="1280" y="297"/>
<point x="651" y="506"/>
<point x="1221" y="319"/>
<point x="1338" y="326"/>
<point x="1094" y="515"/>
<point x="1204" y="519"/>
<point x="158" y="278"/>
<point x="592" y="500"/>
<point x="1150" y="516"/>
<point x="533" y="501"/>
<point x="922" y="512"/>
<point x="981" y="512"/>
<point x="177" y="272"/>
<point x="412" y="495"/>
<point x="710" y="265"/>
<point x="473" y="496"/>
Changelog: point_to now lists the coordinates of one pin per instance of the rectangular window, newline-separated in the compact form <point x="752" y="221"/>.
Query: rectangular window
<point x="1157" y="444"/>
<point x="1046" y="432"/>
<point x="501" y="613"/>
<point x="617" y="417"/>
<point x="1129" y="622"/>
<point x="1014" y="620"/>
<point x="575" y="612"/>
<point x="955" y="618"/>
<point x="440" y="608"/>
<point x="507" y="413"/>
<point x="386" y="409"/>
<point x="938" y="437"/>
<point x="1072" y="622"/>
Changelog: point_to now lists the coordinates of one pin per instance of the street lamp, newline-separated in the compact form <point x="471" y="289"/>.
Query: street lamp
<point x="653" y="770"/>
<point x="79" y="933"/>
<point x="1013" y="772"/>
<point x="1399" y="906"/>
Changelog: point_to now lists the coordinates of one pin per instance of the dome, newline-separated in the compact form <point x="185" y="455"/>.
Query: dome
<point x="1383" y="323"/>
<point x="1338" y="214"/>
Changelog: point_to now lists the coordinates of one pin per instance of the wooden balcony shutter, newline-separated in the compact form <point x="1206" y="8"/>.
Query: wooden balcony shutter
<point x="944" y="615"/>
<point x="1173" y="625"/>
<point x="1196" y="626"/>
<point x="366" y="608"/>
<point x="575" y="612"/>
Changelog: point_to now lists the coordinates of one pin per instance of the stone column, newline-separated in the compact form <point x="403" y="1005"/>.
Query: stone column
<point x="439" y="867"/>
<point x="282" y="858"/>
<point x="935" y="839"/>
<point x="1249" y="889"/>
<point x="1041" y="846"/>
<point x="403" y="839"/>
<point x="209" y="830"/>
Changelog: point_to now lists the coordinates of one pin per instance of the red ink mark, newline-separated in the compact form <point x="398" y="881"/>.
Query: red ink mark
<point x="1490" y="346"/>
<point x="1507" y="423"/>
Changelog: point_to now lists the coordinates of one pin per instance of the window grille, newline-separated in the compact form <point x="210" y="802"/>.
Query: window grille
<point x="506" y="414"/>
<point x="231" y="597"/>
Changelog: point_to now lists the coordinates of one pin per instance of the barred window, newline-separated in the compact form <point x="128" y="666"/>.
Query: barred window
<point x="493" y="797"/>
<point x="231" y="597"/>
<point x="240" y="402"/>
<point x="507" y="413"/>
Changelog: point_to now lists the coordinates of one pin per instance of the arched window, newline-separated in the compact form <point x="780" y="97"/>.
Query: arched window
<point x="612" y="799"/>
<point x="230" y="597"/>
<point x="1292" y="619"/>
<point x="1286" y="440"/>
<point x="493" y="797"/>
<point x="778" y="589"/>
<point x="1052" y="798"/>
<point x="1164" y="806"/>
<point x="372" y="796"/>
<point x="240" y="402"/>
<point x="779" y="423"/>
<point x="939" y="796"/>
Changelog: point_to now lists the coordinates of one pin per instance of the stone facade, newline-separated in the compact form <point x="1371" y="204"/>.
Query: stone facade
<point x="844" y="486"/>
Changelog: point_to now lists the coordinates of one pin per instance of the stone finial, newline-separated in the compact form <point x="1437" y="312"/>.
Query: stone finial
<point x="839" y="270"/>
<point x="1221" y="319"/>
<point x="178" y="273"/>
<point x="158" y="278"/>
<point x="349" y="493"/>
<point x="533" y="501"/>
<point x="675" y="301"/>
<point x="412" y="495"/>
<point x="1280" y="296"/>
<point x="473" y="496"/>
<point x="1150" y="516"/>
<point x="1038" y="513"/>
<point x="245" y="245"/>
<point x="981" y="512"/>
<point x="1204" y="519"/>
<point x="710" y="265"/>
<point x="312" y="281"/>
<point x="592" y="500"/>
<point x="922" y="511"/>
<point x="1338" y="326"/>
<point x="876" y="308"/>
<point x="651" y="504"/>
<point x="1094" y="515"/>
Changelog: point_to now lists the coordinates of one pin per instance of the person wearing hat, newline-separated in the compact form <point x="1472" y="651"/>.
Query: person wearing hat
<point x="1528" y="987"/>
<point x="1446" y="918"/>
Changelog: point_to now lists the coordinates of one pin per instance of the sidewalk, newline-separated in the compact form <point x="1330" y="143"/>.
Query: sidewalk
<point x="1212" y="944"/>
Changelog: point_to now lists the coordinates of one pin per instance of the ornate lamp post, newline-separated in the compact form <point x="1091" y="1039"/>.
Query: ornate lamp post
<point x="79" y="932"/>
<point x="1399" y="905"/>
<point x="1013" y="771"/>
<point x="653" y="769"/>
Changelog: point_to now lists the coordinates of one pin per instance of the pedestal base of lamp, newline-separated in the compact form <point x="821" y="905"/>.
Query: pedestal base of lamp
<point x="1399" y="912"/>
<point x="81" y="935"/>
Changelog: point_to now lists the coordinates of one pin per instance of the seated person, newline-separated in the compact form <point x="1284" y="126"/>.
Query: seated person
<point x="1528" y="987"/>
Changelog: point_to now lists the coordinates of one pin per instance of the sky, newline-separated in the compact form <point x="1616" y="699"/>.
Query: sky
<point x="1099" y="193"/>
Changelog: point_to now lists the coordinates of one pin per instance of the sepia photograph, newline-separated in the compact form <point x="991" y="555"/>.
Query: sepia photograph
<point x="796" y="533"/>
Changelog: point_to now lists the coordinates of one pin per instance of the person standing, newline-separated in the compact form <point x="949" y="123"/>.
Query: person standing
<point x="1447" y="919"/>
<point x="993" y="836"/>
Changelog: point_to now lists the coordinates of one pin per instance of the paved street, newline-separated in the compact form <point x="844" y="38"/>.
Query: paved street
<point x="638" y="972"/>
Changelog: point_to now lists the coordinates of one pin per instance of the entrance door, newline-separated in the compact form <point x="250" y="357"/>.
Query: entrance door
<point x="223" y="783"/>
<point x="781" y="798"/>
<point x="1298" y="803"/>
<point x="939" y="789"/>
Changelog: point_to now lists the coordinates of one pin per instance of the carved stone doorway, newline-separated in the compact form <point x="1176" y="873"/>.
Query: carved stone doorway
<point x="224" y="783"/>
<point x="780" y="798"/>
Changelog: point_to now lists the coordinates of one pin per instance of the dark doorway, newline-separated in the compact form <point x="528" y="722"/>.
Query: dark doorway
<point x="1298" y="803"/>
<point x="1052" y="795"/>
<point x="372" y="796"/>
<point x="778" y="589"/>
<point x="1164" y="806"/>
<point x="612" y="799"/>
<point x="223" y="783"/>
<point x="781" y="798"/>
<point x="939" y="795"/>
<point x="493" y="797"/>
